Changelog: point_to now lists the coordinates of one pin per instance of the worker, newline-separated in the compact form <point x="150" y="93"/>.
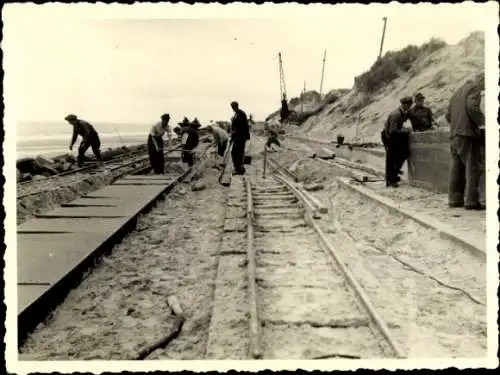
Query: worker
<point x="89" y="135"/>
<point x="396" y="142"/>
<point x="467" y="122"/>
<point x="240" y="133"/>
<point x="155" y="144"/>
<point x="251" y="122"/>
<point x="220" y="139"/>
<point x="272" y="136"/>
<point x="190" y="140"/>
<point x="421" y="117"/>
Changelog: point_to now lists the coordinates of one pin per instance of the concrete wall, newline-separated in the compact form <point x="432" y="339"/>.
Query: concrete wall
<point x="430" y="160"/>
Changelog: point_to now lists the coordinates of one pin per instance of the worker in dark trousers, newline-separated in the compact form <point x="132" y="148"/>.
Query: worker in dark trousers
<point x="272" y="137"/>
<point x="155" y="144"/>
<point x="90" y="138"/>
<point x="240" y="134"/>
<point x="421" y="117"/>
<point x="190" y="139"/>
<point x="467" y="137"/>
<point x="396" y="142"/>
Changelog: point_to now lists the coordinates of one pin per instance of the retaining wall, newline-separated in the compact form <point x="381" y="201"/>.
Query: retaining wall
<point x="430" y="160"/>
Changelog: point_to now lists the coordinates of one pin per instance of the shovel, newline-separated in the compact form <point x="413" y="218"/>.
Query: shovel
<point x="225" y="176"/>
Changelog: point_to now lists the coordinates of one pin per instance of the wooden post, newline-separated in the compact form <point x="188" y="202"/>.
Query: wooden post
<point x="265" y="162"/>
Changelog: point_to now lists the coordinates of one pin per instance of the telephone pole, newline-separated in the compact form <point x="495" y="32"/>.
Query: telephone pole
<point x="383" y="37"/>
<point x="302" y="98"/>
<point x="322" y="75"/>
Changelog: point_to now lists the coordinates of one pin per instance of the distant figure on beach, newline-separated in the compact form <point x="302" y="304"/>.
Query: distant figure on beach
<point x="155" y="144"/>
<point x="421" y="117"/>
<point x="220" y="139"/>
<point x="396" y="142"/>
<point x="190" y="139"/>
<point x="467" y="139"/>
<point x="90" y="138"/>
<point x="240" y="133"/>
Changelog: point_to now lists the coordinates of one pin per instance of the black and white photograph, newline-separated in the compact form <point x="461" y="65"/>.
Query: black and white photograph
<point x="253" y="187"/>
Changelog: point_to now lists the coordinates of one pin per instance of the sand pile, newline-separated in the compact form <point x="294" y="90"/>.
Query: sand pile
<point x="437" y="72"/>
<point x="64" y="192"/>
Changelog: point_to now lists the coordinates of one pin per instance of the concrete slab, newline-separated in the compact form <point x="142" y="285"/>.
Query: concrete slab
<point x="46" y="258"/>
<point x="27" y="294"/>
<point x="142" y="183"/>
<point x="125" y="192"/>
<point x="72" y="225"/>
<point x="122" y="210"/>
<point x="146" y="177"/>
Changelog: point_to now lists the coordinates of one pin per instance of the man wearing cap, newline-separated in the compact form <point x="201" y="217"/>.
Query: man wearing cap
<point x="467" y="137"/>
<point x="90" y="138"/>
<point x="155" y="144"/>
<point x="272" y="136"/>
<point x="190" y="140"/>
<point x="420" y="115"/>
<point x="396" y="142"/>
<point x="240" y="133"/>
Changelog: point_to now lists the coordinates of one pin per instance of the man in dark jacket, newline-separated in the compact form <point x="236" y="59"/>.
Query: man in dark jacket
<point x="240" y="133"/>
<point x="396" y="142"/>
<point x="190" y="139"/>
<point x="467" y="135"/>
<point x="90" y="138"/>
<point x="420" y="115"/>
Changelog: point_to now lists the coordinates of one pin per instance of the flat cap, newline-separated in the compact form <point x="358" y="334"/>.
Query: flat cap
<point x="165" y="116"/>
<point x="70" y="117"/>
<point x="419" y="95"/>
<point x="407" y="100"/>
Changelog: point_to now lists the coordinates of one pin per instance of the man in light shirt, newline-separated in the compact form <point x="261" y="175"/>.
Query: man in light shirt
<point x="155" y="144"/>
<point x="220" y="138"/>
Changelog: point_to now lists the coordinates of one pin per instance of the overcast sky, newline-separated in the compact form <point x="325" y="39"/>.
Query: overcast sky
<point x="132" y="70"/>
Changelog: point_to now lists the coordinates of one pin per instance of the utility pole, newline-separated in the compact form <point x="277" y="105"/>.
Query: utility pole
<point x="322" y="75"/>
<point x="383" y="37"/>
<point x="302" y="98"/>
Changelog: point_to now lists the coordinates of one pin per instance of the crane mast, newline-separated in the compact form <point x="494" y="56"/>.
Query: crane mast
<point x="282" y="78"/>
<point x="322" y="75"/>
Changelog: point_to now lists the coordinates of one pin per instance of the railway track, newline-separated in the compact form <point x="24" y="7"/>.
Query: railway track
<point x="125" y="164"/>
<point x="289" y="315"/>
<point x="118" y="167"/>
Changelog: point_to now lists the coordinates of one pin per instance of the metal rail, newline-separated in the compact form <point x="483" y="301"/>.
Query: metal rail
<point x="374" y="316"/>
<point x="95" y="165"/>
<point x="117" y="167"/>
<point x="254" y="323"/>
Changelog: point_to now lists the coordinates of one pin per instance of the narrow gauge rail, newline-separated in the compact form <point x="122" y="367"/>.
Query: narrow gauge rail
<point x="124" y="163"/>
<point x="290" y="290"/>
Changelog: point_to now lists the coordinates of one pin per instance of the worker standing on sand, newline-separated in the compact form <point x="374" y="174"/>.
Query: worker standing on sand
<point x="420" y="115"/>
<point x="467" y="137"/>
<point x="155" y="144"/>
<point x="240" y="133"/>
<point x="89" y="135"/>
<point x="190" y="139"/>
<point x="272" y="136"/>
<point x="396" y="142"/>
<point x="220" y="139"/>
